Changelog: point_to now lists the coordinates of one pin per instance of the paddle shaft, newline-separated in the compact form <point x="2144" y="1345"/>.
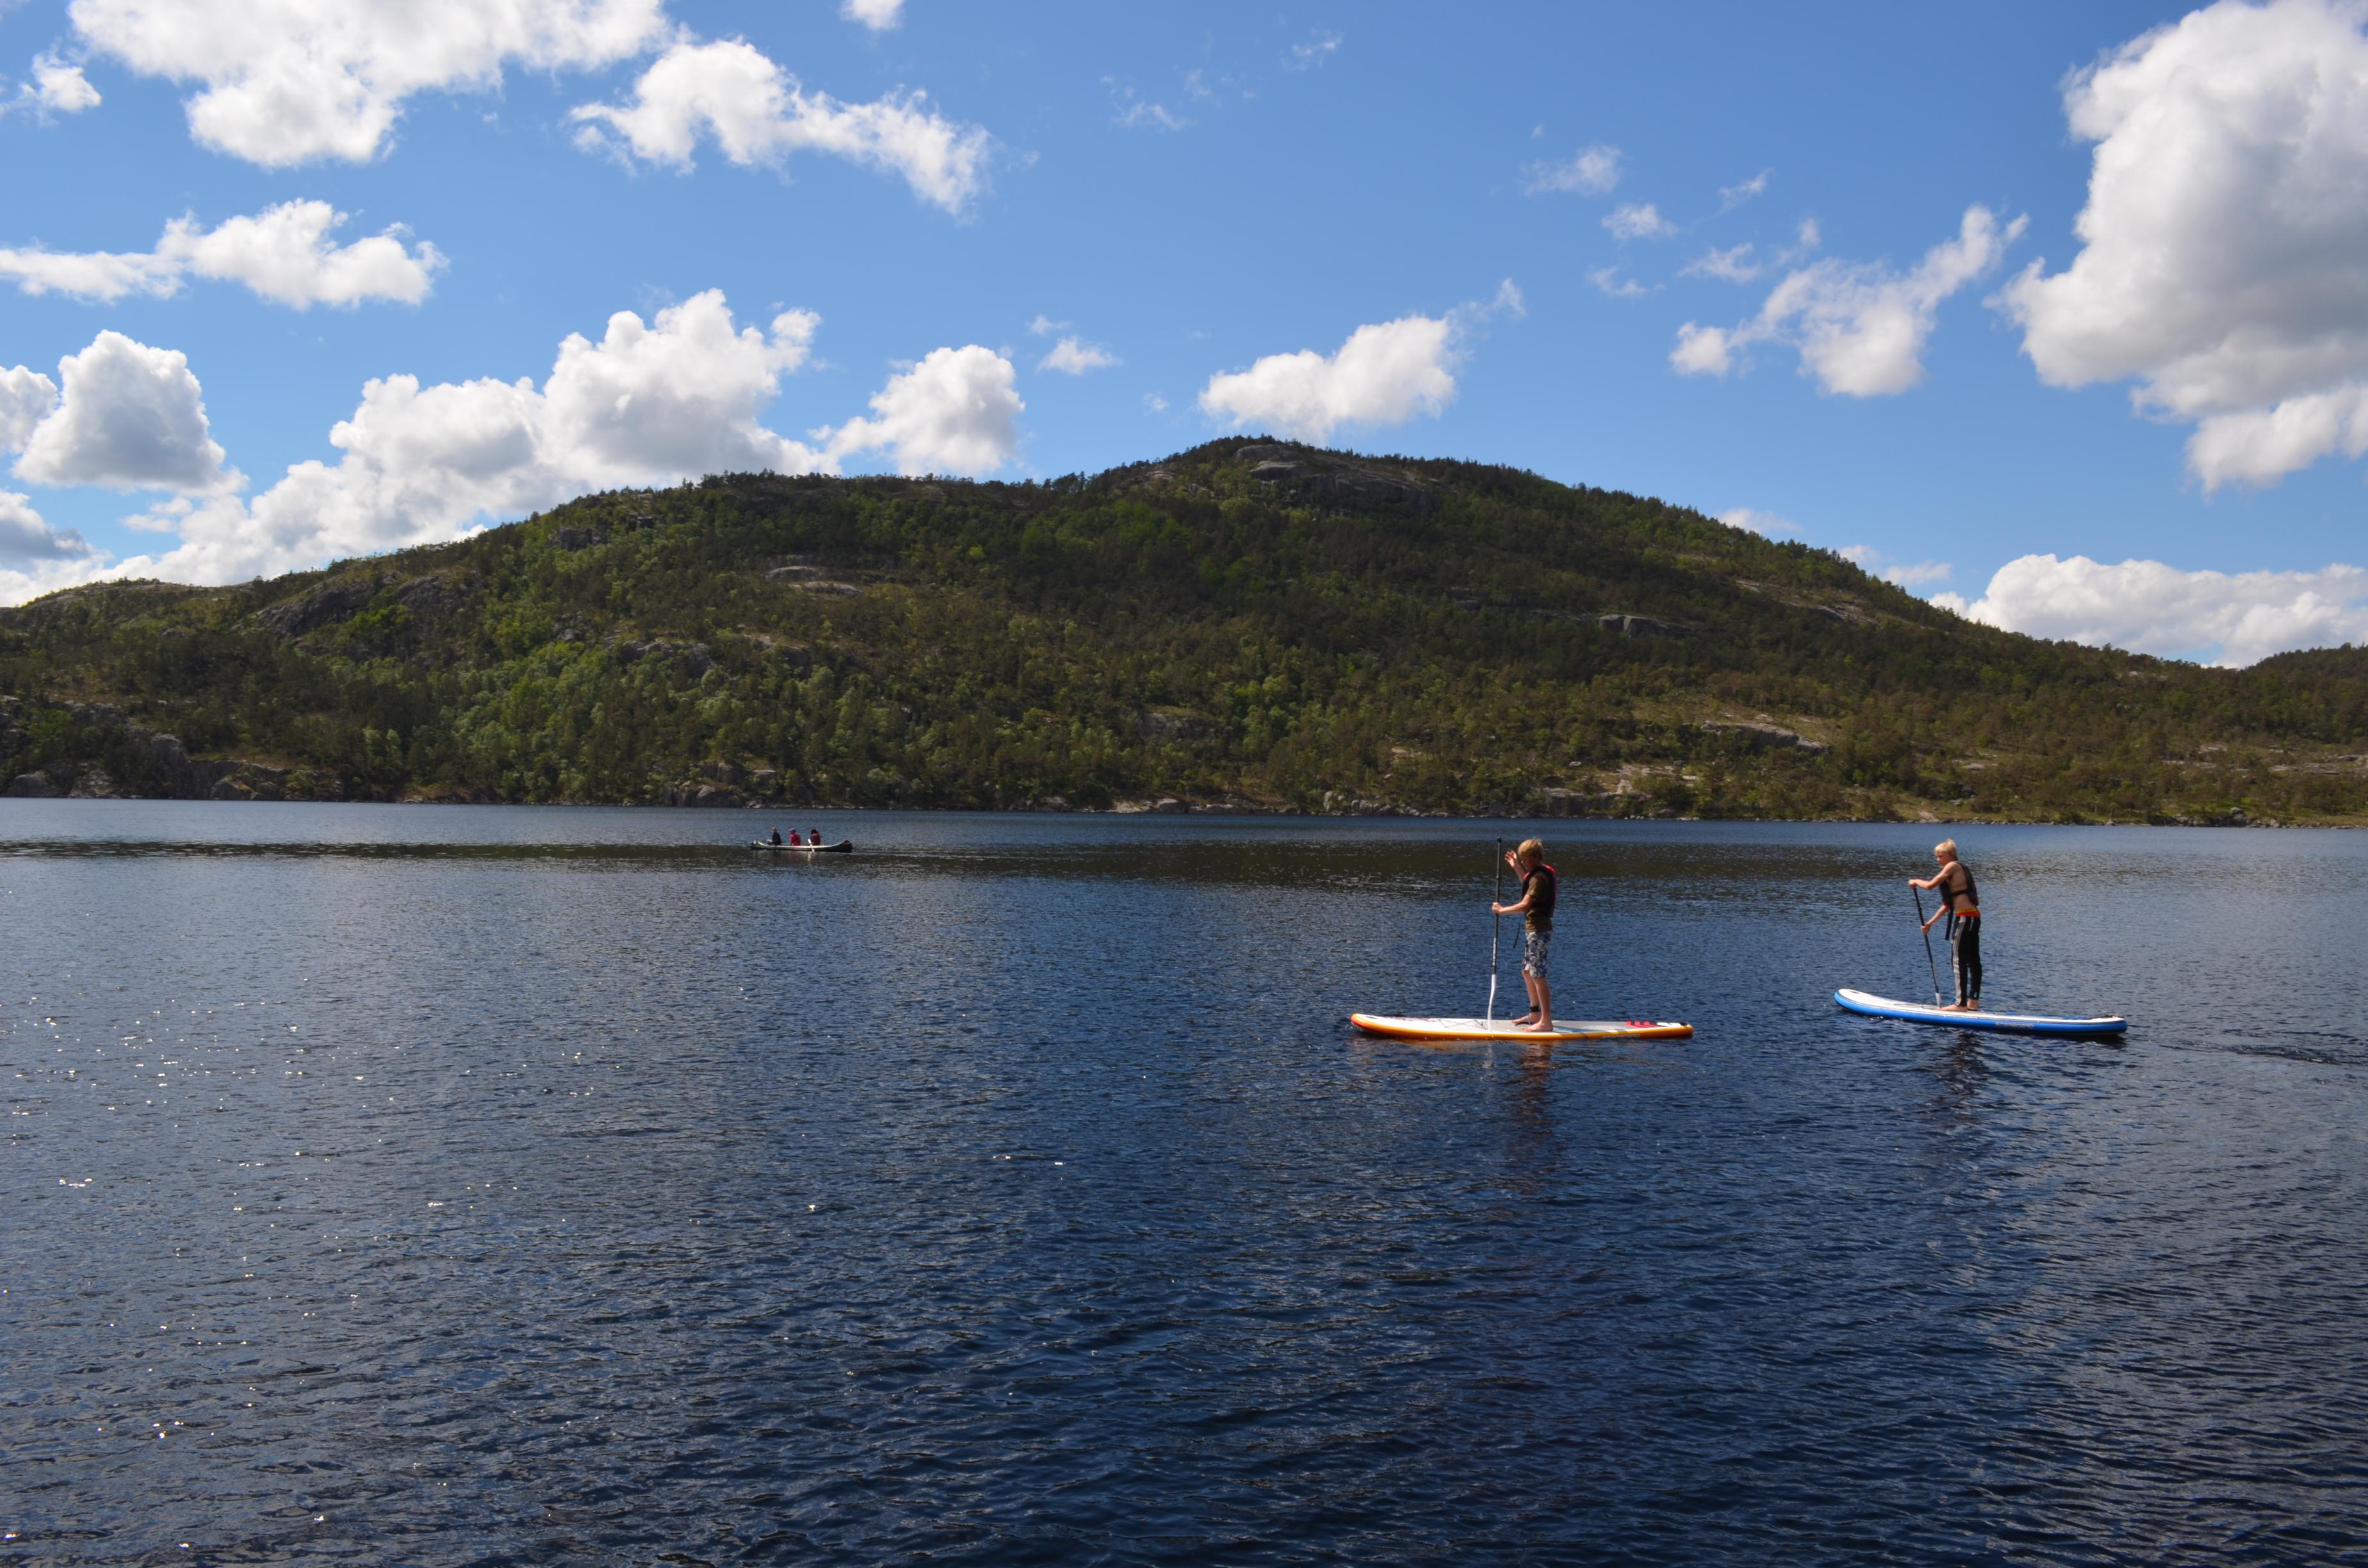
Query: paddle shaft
<point x="1495" y="930"/>
<point x="1930" y="967"/>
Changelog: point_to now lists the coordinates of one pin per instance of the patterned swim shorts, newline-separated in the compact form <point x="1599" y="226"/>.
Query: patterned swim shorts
<point x="1534" y="952"/>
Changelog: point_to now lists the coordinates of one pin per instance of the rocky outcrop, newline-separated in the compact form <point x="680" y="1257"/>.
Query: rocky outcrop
<point x="1763" y="737"/>
<point x="1643" y="626"/>
<point x="1174" y="724"/>
<point x="95" y="754"/>
<point x="694" y="657"/>
<point x="316" y="606"/>
<point x="1323" y="477"/>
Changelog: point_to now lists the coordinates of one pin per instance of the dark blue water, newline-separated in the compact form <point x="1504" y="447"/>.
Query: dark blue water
<point x="452" y="1186"/>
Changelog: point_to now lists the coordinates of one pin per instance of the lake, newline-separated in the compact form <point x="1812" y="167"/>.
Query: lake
<point x="449" y="1186"/>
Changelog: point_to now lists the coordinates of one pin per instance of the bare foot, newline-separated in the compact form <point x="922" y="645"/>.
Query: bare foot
<point x="1544" y="1026"/>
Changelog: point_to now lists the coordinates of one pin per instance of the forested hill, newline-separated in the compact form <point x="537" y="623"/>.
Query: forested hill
<point x="1245" y="624"/>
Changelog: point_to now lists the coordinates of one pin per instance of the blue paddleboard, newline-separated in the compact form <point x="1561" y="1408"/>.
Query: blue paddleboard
<point x="2011" y="1023"/>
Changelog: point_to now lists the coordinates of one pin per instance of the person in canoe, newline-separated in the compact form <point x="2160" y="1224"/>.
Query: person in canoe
<point x="1955" y="882"/>
<point x="777" y="836"/>
<point x="1536" y="908"/>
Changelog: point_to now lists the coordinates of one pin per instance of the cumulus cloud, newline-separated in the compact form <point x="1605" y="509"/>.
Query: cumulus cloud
<point x="37" y="559"/>
<point x="2230" y="619"/>
<point x="1591" y="171"/>
<point x="127" y="417"/>
<point x="283" y="253"/>
<point x="1860" y="328"/>
<point x="1385" y="373"/>
<point x="756" y="113"/>
<point x="57" y="87"/>
<point x="2224" y="259"/>
<point x="954" y="413"/>
<point x="1638" y="220"/>
<point x="26" y="539"/>
<point x="26" y="398"/>
<point x="1073" y="357"/>
<point x="285" y="81"/>
<point x="878" y="15"/>
<point x="651" y="403"/>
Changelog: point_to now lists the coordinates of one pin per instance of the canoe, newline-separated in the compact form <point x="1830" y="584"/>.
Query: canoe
<point x="1502" y="1028"/>
<point x="844" y="847"/>
<point x="2007" y="1023"/>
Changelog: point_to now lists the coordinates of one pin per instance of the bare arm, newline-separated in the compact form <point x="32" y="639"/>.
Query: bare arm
<point x="1521" y="908"/>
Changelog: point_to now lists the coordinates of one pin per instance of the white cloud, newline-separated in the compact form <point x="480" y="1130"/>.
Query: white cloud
<point x="1731" y="197"/>
<point x="954" y="413"/>
<point x="878" y="15"/>
<point x="1384" y="374"/>
<point x="286" y="81"/>
<point x="129" y="417"/>
<point x="24" y="538"/>
<point x="1703" y="350"/>
<point x="1735" y="265"/>
<point x="1905" y="575"/>
<point x="1155" y="403"/>
<point x="1766" y="524"/>
<point x="1860" y="328"/>
<point x="757" y="113"/>
<point x="37" y="559"/>
<point x="57" y="87"/>
<point x="1591" y="171"/>
<point x="1045" y="326"/>
<point x="2223" y="260"/>
<point x="1073" y="357"/>
<point x="651" y="403"/>
<point x="2148" y="608"/>
<point x="26" y="398"/>
<point x="1314" y="52"/>
<point x="1608" y="278"/>
<point x="1638" y="220"/>
<point x="282" y="252"/>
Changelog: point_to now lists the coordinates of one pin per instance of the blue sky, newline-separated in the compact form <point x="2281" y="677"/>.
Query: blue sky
<point x="1206" y="204"/>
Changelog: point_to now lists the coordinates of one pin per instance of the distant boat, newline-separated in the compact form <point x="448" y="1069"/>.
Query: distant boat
<point x="844" y="847"/>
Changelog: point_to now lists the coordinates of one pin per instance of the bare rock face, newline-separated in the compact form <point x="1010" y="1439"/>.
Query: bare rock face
<point x="1174" y="724"/>
<point x="693" y="656"/>
<point x="1764" y="737"/>
<point x="31" y="787"/>
<point x="1643" y="626"/>
<point x="1323" y="477"/>
<point x="316" y="606"/>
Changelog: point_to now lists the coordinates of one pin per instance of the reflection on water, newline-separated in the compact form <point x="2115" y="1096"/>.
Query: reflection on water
<point x="443" y="1184"/>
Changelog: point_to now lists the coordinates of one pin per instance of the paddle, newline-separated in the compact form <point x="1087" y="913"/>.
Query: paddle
<point x="1927" y="930"/>
<point x="1496" y="931"/>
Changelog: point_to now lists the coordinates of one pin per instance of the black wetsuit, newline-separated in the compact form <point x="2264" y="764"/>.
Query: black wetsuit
<point x="1964" y="936"/>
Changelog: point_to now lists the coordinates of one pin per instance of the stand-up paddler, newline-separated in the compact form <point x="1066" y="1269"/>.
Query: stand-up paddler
<point x="1959" y="904"/>
<point x="1536" y="908"/>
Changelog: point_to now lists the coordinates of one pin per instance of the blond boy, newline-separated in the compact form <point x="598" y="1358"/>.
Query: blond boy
<point x="1536" y="908"/>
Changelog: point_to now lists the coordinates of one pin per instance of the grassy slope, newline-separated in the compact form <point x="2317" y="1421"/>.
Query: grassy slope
<point x="1419" y="633"/>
